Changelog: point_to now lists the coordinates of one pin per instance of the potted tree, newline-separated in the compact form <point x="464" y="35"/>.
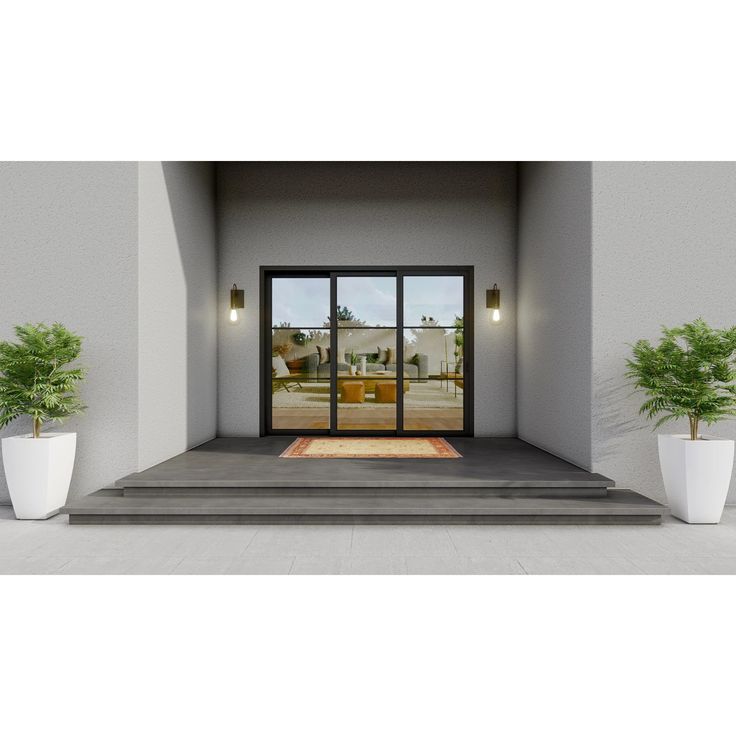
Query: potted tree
<point x="34" y="382"/>
<point x="690" y="374"/>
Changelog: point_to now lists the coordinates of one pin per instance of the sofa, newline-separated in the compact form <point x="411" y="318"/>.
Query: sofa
<point x="417" y="368"/>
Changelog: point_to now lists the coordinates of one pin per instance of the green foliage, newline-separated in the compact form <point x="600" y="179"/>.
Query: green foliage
<point x="344" y="314"/>
<point x="33" y="380"/>
<point x="353" y="358"/>
<point x="459" y="325"/>
<point x="691" y="373"/>
<point x="345" y="317"/>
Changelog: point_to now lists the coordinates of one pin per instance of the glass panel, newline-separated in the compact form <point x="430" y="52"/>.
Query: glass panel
<point x="300" y="302"/>
<point x="366" y="301"/>
<point x="300" y="382"/>
<point x="433" y="359"/>
<point x="433" y="300"/>
<point x="366" y="379"/>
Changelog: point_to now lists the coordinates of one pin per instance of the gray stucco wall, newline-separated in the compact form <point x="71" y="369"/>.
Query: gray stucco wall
<point x="68" y="253"/>
<point x="554" y="325"/>
<point x="664" y="247"/>
<point x="367" y="214"/>
<point x="663" y="234"/>
<point x="177" y="294"/>
<point x="141" y="290"/>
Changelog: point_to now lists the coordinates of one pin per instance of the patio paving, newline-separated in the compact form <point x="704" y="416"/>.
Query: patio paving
<point x="56" y="547"/>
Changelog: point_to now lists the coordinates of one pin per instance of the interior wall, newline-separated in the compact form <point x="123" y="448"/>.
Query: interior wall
<point x="68" y="249"/>
<point x="664" y="239"/>
<point x="554" y="327"/>
<point x="374" y="214"/>
<point x="177" y="278"/>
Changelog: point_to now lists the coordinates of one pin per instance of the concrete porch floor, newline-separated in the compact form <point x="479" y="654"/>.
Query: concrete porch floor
<point x="255" y="461"/>
<point x="55" y="547"/>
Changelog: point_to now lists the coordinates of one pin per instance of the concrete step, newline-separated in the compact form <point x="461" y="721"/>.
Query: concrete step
<point x="111" y="506"/>
<point x="255" y="462"/>
<point x="363" y="491"/>
<point x="140" y="480"/>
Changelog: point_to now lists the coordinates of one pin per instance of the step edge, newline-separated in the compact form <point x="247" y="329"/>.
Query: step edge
<point x="364" y="484"/>
<point x="397" y="511"/>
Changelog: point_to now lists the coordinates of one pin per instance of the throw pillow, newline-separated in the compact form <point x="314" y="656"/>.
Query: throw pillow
<point x="324" y="354"/>
<point x="279" y="369"/>
<point x="382" y="355"/>
<point x="390" y="356"/>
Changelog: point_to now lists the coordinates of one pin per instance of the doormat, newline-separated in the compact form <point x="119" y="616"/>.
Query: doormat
<point x="369" y="447"/>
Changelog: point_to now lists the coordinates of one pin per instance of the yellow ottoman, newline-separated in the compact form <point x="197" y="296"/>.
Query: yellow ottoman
<point x="352" y="392"/>
<point x="386" y="392"/>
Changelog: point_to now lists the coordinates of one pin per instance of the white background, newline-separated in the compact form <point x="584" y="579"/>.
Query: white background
<point x="332" y="81"/>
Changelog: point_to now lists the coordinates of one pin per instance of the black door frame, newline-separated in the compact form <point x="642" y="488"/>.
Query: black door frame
<point x="332" y="272"/>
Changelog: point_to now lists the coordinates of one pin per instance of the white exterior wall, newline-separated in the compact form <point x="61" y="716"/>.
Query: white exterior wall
<point x="177" y="266"/>
<point x="554" y="324"/>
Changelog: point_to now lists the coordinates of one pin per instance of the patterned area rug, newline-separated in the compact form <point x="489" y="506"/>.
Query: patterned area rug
<point x="367" y="447"/>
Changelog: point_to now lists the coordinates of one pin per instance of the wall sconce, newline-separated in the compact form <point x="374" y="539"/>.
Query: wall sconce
<point x="493" y="302"/>
<point x="237" y="301"/>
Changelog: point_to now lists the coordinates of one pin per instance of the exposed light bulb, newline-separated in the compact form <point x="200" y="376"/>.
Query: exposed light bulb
<point x="496" y="316"/>
<point x="233" y="315"/>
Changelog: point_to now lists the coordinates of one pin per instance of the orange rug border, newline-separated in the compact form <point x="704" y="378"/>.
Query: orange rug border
<point x="445" y="450"/>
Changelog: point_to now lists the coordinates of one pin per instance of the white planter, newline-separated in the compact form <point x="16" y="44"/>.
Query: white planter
<point x="38" y="472"/>
<point x="696" y="475"/>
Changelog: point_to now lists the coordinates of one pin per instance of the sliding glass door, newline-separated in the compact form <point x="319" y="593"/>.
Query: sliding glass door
<point x="367" y="357"/>
<point x="434" y="352"/>
<point x="298" y="353"/>
<point x="367" y="351"/>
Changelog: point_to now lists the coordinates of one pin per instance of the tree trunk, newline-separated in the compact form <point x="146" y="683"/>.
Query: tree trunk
<point x="36" y="427"/>
<point x="694" y="420"/>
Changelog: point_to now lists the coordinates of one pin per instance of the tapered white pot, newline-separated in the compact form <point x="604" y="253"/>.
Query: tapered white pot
<point x="696" y="475"/>
<point x="38" y="472"/>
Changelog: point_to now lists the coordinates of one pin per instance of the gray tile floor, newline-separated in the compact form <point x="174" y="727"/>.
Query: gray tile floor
<point x="52" y="546"/>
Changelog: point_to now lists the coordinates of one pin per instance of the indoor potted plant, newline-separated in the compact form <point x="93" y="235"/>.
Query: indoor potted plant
<point x="691" y="373"/>
<point x="353" y="363"/>
<point x="35" y="383"/>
